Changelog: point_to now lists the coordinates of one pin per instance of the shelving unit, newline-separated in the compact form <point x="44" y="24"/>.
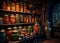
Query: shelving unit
<point x="24" y="25"/>
<point x="16" y="24"/>
<point x="15" y="12"/>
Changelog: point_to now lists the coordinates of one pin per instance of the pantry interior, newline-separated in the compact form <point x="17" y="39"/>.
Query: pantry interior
<point x="24" y="21"/>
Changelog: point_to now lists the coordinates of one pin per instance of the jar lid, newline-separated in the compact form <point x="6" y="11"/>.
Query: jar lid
<point x="2" y="30"/>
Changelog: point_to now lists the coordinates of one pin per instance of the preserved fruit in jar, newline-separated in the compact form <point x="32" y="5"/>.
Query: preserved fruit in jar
<point x="6" y="19"/>
<point x="17" y="6"/>
<point x="12" y="19"/>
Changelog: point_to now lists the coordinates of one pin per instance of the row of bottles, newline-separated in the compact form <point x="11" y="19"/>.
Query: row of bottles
<point x="18" y="6"/>
<point x="20" y="33"/>
<point x="12" y="19"/>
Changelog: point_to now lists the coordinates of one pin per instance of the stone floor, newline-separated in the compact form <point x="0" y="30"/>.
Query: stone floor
<point x="55" y="40"/>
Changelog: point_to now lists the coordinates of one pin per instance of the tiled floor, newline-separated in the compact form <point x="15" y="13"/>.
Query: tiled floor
<point x="55" y="40"/>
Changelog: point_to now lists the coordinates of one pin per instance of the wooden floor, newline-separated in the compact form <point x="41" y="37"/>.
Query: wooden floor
<point x="55" y="40"/>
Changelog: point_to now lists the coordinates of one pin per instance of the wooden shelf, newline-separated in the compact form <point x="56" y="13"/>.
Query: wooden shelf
<point x="16" y="24"/>
<point x="15" y="12"/>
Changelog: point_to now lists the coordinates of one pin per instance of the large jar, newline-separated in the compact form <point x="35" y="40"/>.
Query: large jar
<point x="6" y="19"/>
<point x="8" y="33"/>
<point x="12" y="19"/>
<point x="14" y="35"/>
<point x="2" y="36"/>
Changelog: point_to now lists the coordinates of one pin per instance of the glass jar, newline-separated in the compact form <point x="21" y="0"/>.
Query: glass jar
<point x="26" y="19"/>
<point x="4" y="5"/>
<point x="14" y="35"/>
<point x="21" y="6"/>
<point x="8" y="6"/>
<point x="17" y="7"/>
<point x="12" y="19"/>
<point x="21" y="18"/>
<point x="17" y="18"/>
<point x="12" y="6"/>
<point x="19" y="29"/>
<point x="8" y="33"/>
<point x="6" y="19"/>
<point x="25" y="7"/>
